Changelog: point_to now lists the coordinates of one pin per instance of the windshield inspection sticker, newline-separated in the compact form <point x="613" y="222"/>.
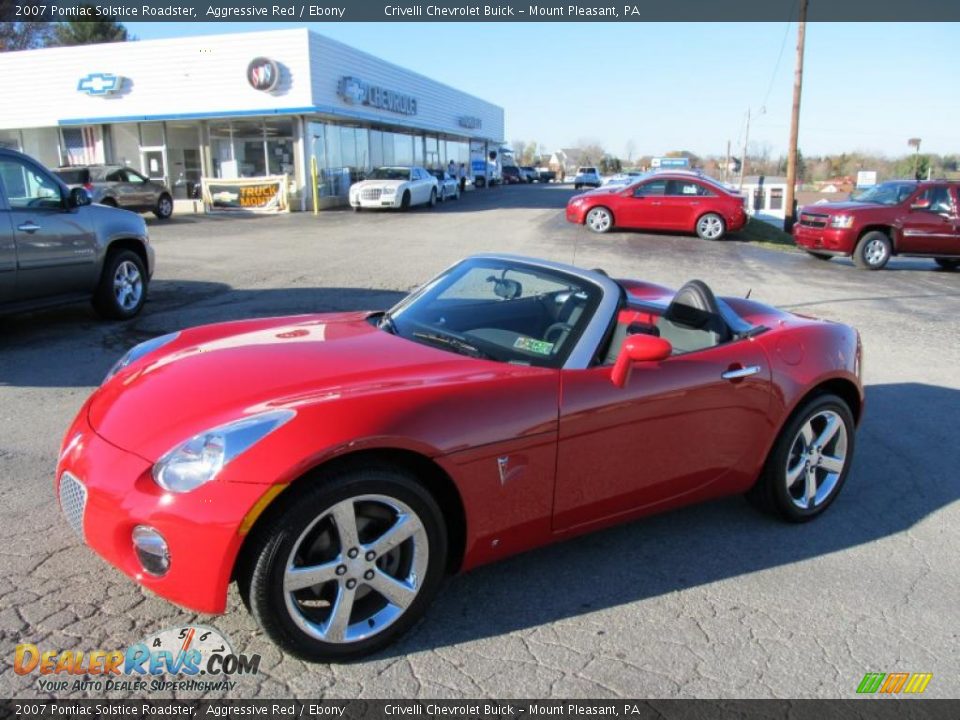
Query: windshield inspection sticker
<point x="535" y="346"/>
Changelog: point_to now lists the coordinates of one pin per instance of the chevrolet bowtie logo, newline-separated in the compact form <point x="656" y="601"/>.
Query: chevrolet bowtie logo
<point x="100" y="84"/>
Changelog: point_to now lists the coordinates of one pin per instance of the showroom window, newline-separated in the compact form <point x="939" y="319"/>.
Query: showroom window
<point x="252" y="148"/>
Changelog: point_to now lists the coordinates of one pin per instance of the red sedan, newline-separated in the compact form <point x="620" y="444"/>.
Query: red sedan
<point x="337" y="466"/>
<point x="684" y="202"/>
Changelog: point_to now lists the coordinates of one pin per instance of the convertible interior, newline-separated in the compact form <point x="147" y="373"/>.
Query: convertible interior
<point x="527" y="326"/>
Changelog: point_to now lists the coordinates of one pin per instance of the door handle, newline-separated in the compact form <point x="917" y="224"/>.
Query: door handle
<point x="740" y="372"/>
<point x="29" y="227"/>
<point x="656" y="203"/>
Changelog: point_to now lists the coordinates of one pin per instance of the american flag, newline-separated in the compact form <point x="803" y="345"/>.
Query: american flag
<point x="84" y="145"/>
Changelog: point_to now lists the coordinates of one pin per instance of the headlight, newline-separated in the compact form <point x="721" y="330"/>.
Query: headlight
<point x="389" y="191"/>
<point x="841" y="221"/>
<point x="199" y="460"/>
<point x="138" y="351"/>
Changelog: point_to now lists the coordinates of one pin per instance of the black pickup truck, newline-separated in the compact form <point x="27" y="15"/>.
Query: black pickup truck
<point x="545" y="175"/>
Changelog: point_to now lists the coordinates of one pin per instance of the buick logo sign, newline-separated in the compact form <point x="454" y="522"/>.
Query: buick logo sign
<point x="263" y="74"/>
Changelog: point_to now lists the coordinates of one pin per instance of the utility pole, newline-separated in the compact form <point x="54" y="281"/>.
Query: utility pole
<point x="726" y="165"/>
<point x="915" y="143"/>
<point x="791" y="212"/>
<point x="743" y="158"/>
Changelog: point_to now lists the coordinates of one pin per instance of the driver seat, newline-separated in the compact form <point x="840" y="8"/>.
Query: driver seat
<point x="692" y="320"/>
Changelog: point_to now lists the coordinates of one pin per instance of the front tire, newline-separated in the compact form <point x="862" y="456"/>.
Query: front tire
<point x="809" y="462"/>
<point x="345" y="567"/>
<point x="164" y="208"/>
<point x="873" y="251"/>
<point x="711" y="227"/>
<point x="123" y="286"/>
<point x="948" y="263"/>
<point x="405" y="200"/>
<point x="599" y="219"/>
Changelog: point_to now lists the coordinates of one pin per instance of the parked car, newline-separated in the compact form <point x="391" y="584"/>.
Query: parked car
<point x="623" y="179"/>
<point x="447" y="187"/>
<point x="546" y="175"/>
<point x="55" y="247"/>
<point x="511" y="175"/>
<point x="338" y="465"/>
<point x="664" y="201"/>
<point x="900" y="217"/>
<point x="529" y="174"/>
<point x="395" y="188"/>
<point x="586" y="177"/>
<point x="120" y="186"/>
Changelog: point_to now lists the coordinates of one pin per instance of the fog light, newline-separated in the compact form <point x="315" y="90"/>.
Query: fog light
<point x="151" y="550"/>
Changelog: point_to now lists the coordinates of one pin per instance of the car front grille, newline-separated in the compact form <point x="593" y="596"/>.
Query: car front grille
<point x="371" y="194"/>
<point x="73" y="501"/>
<point x="814" y="220"/>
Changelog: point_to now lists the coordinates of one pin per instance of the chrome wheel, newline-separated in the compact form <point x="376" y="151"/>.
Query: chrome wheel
<point x="127" y="286"/>
<point x="356" y="569"/>
<point x="816" y="460"/>
<point x="710" y="227"/>
<point x="599" y="220"/>
<point x="875" y="252"/>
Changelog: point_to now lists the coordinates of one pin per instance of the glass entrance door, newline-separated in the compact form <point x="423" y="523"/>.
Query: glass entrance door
<point x="153" y="163"/>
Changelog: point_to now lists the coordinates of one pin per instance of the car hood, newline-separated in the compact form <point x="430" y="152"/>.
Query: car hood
<point x="839" y="207"/>
<point x="378" y="184"/>
<point x="214" y="374"/>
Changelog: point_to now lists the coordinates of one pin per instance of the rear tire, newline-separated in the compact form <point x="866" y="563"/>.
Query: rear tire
<point x="818" y="256"/>
<point x="109" y="202"/>
<point x="123" y="286"/>
<point x="164" y="208"/>
<point x="711" y="227"/>
<point x="948" y="263"/>
<point x="809" y="462"/>
<point x="433" y="198"/>
<point x="372" y="502"/>
<point x="873" y="251"/>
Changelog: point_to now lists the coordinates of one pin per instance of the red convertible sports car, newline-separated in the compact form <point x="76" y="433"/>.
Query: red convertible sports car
<point x="336" y="466"/>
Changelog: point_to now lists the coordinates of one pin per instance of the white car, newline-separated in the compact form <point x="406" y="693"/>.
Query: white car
<point x="624" y="179"/>
<point x="586" y="176"/>
<point x="394" y="187"/>
<point x="447" y="187"/>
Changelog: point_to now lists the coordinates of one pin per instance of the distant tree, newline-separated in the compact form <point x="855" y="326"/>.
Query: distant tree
<point x="519" y="148"/>
<point x="76" y="32"/>
<point x="24" y="35"/>
<point x="609" y="164"/>
<point x="591" y="152"/>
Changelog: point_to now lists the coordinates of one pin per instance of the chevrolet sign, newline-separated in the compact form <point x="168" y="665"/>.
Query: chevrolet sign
<point x="100" y="84"/>
<point x="357" y="92"/>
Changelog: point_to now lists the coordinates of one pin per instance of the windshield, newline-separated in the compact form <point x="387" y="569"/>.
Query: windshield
<point x="438" y="174"/>
<point x="587" y="171"/>
<point x="499" y="310"/>
<point x="390" y="173"/>
<point x="888" y="193"/>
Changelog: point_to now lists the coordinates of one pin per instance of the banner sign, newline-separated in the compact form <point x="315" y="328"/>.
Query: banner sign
<point x="266" y="194"/>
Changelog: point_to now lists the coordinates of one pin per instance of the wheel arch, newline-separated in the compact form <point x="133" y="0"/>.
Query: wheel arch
<point x="887" y="230"/>
<point x="127" y="243"/>
<point x="431" y="475"/>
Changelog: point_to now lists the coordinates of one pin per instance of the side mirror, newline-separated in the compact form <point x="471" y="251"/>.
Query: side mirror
<point x="78" y="197"/>
<point x="638" y="348"/>
<point x="921" y="204"/>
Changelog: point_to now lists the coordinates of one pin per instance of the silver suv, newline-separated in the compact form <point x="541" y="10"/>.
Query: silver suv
<point x="55" y="247"/>
<point x="120" y="186"/>
<point x="586" y="176"/>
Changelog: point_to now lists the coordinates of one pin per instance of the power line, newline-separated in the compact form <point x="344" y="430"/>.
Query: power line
<point x="783" y="44"/>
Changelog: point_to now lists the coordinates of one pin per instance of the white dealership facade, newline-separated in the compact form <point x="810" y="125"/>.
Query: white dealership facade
<point x="239" y="106"/>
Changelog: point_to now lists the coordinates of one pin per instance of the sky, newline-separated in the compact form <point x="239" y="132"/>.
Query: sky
<point x="654" y="88"/>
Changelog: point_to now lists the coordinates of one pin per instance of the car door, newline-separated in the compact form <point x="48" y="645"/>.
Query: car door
<point x="55" y="246"/>
<point x="676" y="428"/>
<point x="144" y="190"/>
<point x="8" y="252"/>
<point x="930" y="224"/>
<point x="641" y="206"/>
<point x="682" y="203"/>
<point x="129" y="195"/>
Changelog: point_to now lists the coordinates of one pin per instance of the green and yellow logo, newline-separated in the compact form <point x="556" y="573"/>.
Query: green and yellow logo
<point x="894" y="683"/>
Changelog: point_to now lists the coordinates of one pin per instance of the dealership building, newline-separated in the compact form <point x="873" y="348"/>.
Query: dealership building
<point x="238" y="107"/>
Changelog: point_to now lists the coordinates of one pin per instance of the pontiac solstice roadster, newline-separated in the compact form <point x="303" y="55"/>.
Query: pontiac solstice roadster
<point x="336" y="466"/>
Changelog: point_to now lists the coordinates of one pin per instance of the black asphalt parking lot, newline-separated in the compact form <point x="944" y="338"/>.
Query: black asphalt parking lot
<point x="710" y="601"/>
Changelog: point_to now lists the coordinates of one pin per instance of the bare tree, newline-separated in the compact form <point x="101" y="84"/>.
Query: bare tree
<point x="631" y="148"/>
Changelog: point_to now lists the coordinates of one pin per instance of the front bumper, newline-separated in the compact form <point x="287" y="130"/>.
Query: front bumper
<point x="829" y="240"/>
<point x="201" y="528"/>
<point x="384" y="201"/>
<point x="575" y="214"/>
